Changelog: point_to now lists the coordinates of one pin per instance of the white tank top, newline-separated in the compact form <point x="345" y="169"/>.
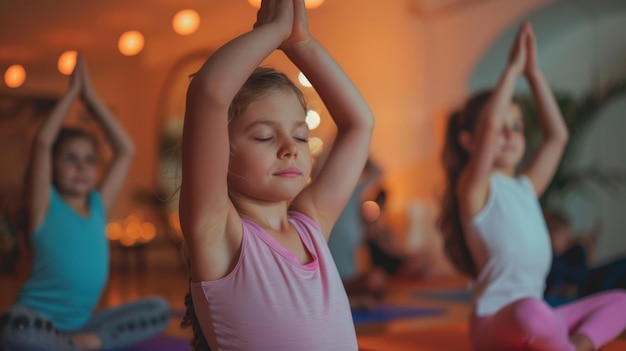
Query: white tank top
<point x="510" y="245"/>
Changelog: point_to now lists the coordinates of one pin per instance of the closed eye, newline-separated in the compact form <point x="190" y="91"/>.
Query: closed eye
<point x="70" y="158"/>
<point x="91" y="160"/>
<point x="301" y="139"/>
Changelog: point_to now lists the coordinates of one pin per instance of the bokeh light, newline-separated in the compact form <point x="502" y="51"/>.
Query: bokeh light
<point x="132" y="230"/>
<point x="67" y="62"/>
<point x="131" y="43"/>
<point x="312" y="119"/>
<point x="15" y="76"/>
<point x="370" y="211"/>
<point x="310" y="4"/>
<point x="304" y="81"/>
<point x="186" y="22"/>
<point x="316" y="145"/>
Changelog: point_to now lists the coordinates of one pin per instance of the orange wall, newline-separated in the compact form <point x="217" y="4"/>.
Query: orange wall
<point x="411" y="64"/>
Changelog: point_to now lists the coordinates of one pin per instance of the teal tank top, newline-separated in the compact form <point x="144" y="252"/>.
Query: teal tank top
<point x="70" y="264"/>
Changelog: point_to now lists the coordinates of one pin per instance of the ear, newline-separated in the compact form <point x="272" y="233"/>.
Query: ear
<point x="466" y="140"/>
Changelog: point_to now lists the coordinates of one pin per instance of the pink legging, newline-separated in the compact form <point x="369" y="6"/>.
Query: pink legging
<point x="531" y="324"/>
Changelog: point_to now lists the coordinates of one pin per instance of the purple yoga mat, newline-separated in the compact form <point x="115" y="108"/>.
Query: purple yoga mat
<point x="161" y="342"/>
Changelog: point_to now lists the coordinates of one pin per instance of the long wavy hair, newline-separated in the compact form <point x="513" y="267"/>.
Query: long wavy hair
<point x="190" y="320"/>
<point x="263" y="82"/>
<point x="455" y="159"/>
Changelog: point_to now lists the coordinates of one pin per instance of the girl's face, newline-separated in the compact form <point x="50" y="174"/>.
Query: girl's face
<point x="75" y="167"/>
<point x="511" y="142"/>
<point x="270" y="158"/>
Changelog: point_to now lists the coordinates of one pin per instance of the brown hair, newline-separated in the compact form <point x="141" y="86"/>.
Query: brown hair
<point x="190" y="320"/>
<point x="455" y="158"/>
<point x="66" y="134"/>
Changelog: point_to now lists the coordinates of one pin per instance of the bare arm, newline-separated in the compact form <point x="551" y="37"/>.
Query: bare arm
<point x="328" y="194"/>
<point x="39" y="169"/>
<point x="121" y="143"/>
<point x="555" y="135"/>
<point x="206" y="213"/>
<point x="474" y="181"/>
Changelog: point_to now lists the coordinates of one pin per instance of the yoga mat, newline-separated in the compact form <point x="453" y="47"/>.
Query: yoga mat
<point x="387" y="313"/>
<point x="446" y="338"/>
<point x="462" y="295"/>
<point x="380" y="314"/>
<point x="161" y="342"/>
<point x="616" y="345"/>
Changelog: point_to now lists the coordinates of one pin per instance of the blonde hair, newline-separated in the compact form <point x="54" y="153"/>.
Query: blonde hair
<point x="263" y="82"/>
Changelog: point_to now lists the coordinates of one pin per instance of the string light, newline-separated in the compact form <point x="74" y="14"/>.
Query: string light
<point x="15" y="76"/>
<point x="67" y="62"/>
<point x="186" y="22"/>
<point x="310" y="4"/>
<point x="131" y="43"/>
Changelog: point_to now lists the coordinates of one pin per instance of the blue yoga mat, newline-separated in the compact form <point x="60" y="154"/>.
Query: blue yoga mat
<point x="389" y="313"/>
<point x="161" y="342"/>
<point x="462" y="295"/>
<point x="466" y="296"/>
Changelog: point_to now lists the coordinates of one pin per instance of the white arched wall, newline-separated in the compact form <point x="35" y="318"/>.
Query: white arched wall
<point x="582" y="49"/>
<point x="581" y="45"/>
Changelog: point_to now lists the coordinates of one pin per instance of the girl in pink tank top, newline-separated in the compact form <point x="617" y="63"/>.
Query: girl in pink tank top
<point x="255" y="225"/>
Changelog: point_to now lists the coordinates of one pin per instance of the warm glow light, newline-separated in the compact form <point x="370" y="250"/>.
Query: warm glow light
<point x="186" y="22"/>
<point x="114" y="231"/>
<point x="66" y="62"/>
<point x="132" y="230"/>
<point x="315" y="145"/>
<point x="148" y="232"/>
<point x="15" y="76"/>
<point x="313" y="4"/>
<point x="370" y="211"/>
<point x="130" y="43"/>
<point x="312" y="119"/>
<point x="303" y="80"/>
<point x="310" y="4"/>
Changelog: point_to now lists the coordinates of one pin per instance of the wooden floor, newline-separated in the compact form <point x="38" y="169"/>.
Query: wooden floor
<point x="161" y="272"/>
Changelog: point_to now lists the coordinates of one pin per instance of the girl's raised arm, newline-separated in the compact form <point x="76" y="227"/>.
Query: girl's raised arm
<point x="205" y="208"/>
<point x="555" y="135"/>
<point x="39" y="169"/>
<point x="123" y="147"/>
<point x="326" y="197"/>
<point x="474" y="181"/>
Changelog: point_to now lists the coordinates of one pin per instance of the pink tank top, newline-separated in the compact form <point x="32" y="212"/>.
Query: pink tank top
<point x="272" y="302"/>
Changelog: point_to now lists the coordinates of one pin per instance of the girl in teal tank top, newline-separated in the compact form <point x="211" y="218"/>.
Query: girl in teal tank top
<point x="66" y="227"/>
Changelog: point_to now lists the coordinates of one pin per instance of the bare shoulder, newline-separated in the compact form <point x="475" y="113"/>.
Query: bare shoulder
<point x="215" y="249"/>
<point x="472" y="195"/>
